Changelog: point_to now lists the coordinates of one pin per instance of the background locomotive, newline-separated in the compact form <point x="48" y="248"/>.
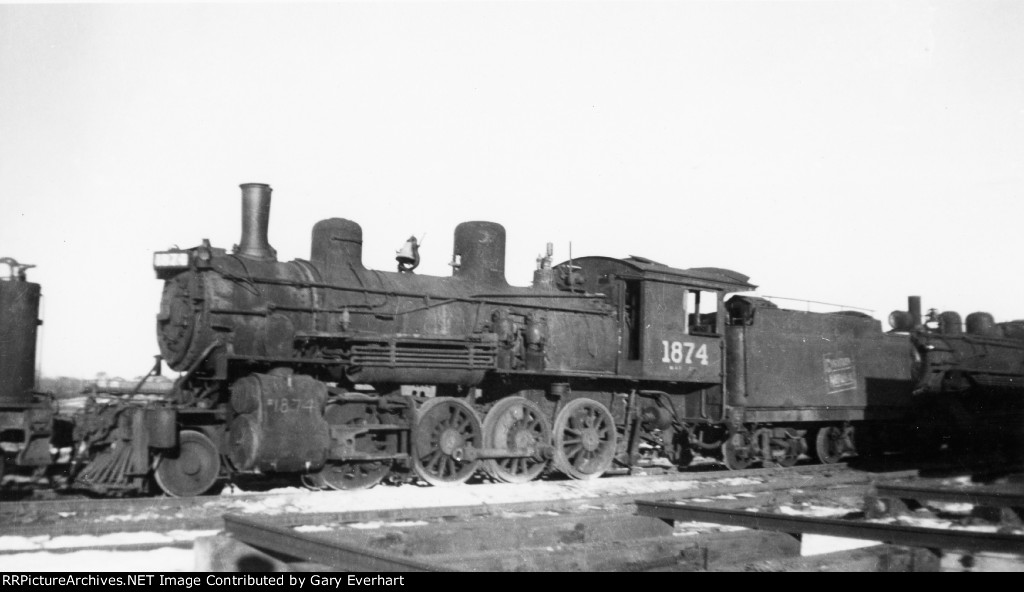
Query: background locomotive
<point x="967" y="376"/>
<point x="29" y="426"/>
<point x="347" y="376"/>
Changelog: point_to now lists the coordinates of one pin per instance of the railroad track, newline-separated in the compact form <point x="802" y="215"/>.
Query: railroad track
<point x="592" y="539"/>
<point x="618" y="530"/>
<point x="13" y="512"/>
<point x="73" y="503"/>
<point x="96" y="517"/>
<point x="638" y="536"/>
<point x="893" y="534"/>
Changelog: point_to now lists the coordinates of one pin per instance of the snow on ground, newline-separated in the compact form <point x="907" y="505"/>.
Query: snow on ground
<point x="16" y="543"/>
<point x="166" y="559"/>
<point x="813" y="511"/>
<point x="38" y="556"/>
<point x="819" y="544"/>
<point x="294" y="500"/>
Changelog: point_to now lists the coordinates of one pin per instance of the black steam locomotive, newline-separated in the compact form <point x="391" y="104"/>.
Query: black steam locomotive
<point x="347" y="376"/>
<point x="29" y="426"/>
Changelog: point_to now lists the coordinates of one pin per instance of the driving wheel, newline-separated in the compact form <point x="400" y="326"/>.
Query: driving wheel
<point x="584" y="439"/>
<point x="356" y="474"/>
<point x="444" y="428"/>
<point x="516" y="423"/>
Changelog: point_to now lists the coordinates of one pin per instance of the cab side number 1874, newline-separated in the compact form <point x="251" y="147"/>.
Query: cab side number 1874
<point x="675" y="354"/>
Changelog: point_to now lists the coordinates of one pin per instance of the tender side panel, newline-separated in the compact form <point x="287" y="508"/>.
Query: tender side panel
<point x="822" y="367"/>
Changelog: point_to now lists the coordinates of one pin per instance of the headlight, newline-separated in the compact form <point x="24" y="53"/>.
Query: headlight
<point x="170" y="260"/>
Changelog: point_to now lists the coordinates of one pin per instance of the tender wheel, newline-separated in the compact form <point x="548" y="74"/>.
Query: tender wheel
<point x="348" y="476"/>
<point x="193" y="470"/>
<point x="737" y="451"/>
<point x="512" y="423"/>
<point x="444" y="427"/>
<point x="584" y="439"/>
<point x="833" y="443"/>
<point x="786" y="451"/>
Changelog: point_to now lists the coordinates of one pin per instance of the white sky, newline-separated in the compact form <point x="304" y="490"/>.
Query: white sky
<point x="849" y="152"/>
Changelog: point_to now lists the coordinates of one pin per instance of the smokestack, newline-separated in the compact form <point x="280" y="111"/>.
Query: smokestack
<point x="914" y="308"/>
<point x="255" y="221"/>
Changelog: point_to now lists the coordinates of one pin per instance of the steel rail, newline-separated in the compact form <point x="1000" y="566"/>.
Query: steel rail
<point x="214" y="508"/>
<point x="310" y="548"/>
<point x="909" y="536"/>
<point x="982" y="496"/>
<point x="12" y="507"/>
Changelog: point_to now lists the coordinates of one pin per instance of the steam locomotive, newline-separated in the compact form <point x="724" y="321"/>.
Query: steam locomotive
<point x="29" y="426"/>
<point x="347" y="376"/>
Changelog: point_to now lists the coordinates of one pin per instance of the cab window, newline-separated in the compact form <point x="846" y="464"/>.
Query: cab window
<point x="702" y="312"/>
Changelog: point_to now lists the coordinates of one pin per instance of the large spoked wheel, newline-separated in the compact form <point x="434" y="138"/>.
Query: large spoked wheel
<point x="349" y="475"/>
<point x="516" y="423"/>
<point x="833" y="443"/>
<point x="737" y="451"/>
<point x="584" y="439"/>
<point x="193" y="470"/>
<point x="444" y="428"/>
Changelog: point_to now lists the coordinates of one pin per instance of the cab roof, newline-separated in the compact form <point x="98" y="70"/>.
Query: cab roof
<point x="717" y="278"/>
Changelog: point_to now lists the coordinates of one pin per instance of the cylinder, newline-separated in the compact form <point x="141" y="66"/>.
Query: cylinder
<point x="19" y="322"/>
<point x="285" y="431"/>
<point x="981" y="323"/>
<point x="255" y="223"/>
<point x="480" y="252"/>
<point x="245" y="395"/>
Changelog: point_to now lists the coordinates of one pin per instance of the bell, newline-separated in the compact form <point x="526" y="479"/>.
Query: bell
<point x="408" y="256"/>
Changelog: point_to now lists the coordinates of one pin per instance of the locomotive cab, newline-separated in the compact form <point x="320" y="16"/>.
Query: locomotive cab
<point x="671" y="321"/>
